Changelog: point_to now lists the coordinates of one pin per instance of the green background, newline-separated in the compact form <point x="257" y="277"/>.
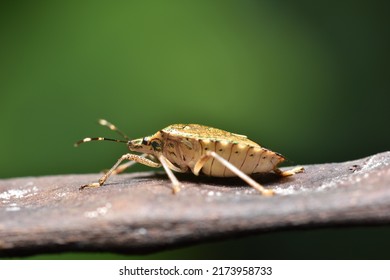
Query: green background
<point x="309" y="79"/>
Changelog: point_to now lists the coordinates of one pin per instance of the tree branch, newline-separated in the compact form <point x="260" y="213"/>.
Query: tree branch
<point x="137" y="212"/>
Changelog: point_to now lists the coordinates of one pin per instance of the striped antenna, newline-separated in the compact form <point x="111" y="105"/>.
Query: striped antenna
<point x="89" y="139"/>
<point x="113" y="128"/>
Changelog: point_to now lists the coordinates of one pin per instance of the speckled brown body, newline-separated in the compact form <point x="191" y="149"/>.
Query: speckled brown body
<point x="184" y="144"/>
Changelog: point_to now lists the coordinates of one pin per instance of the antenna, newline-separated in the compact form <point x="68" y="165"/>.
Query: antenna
<point x="113" y="128"/>
<point x="89" y="139"/>
<point x="110" y="126"/>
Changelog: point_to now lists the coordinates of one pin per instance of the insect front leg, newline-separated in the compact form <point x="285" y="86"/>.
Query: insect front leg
<point x="121" y="168"/>
<point x="202" y="161"/>
<point x="290" y="172"/>
<point x="131" y="157"/>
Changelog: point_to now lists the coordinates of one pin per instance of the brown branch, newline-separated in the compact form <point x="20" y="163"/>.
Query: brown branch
<point x="137" y="212"/>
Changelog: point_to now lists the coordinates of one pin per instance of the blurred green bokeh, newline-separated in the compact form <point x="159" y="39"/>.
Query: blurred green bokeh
<point x="307" y="79"/>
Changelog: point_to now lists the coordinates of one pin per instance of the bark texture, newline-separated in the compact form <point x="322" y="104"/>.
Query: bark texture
<point x="137" y="212"/>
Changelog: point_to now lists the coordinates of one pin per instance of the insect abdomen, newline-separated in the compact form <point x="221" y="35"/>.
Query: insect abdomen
<point x="249" y="159"/>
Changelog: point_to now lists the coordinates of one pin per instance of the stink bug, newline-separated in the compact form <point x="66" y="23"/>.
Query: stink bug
<point x="199" y="149"/>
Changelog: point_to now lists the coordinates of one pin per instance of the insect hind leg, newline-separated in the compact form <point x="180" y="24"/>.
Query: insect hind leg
<point x="202" y="161"/>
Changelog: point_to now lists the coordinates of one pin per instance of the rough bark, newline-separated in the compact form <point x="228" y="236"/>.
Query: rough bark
<point x="137" y="212"/>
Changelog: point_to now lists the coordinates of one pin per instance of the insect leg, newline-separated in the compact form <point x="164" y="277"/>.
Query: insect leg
<point x="234" y="169"/>
<point x="290" y="172"/>
<point x="126" y="165"/>
<point x="122" y="167"/>
<point x="131" y="157"/>
<point x="172" y="177"/>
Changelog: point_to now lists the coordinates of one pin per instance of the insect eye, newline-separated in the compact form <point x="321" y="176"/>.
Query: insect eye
<point x="144" y="141"/>
<point x="156" y="145"/>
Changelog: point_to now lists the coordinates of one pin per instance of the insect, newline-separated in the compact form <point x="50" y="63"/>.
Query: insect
<point x="198" y="149"/>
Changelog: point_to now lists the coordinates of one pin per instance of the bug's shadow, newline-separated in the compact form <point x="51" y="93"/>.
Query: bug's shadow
<point x="265" y="178"/>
